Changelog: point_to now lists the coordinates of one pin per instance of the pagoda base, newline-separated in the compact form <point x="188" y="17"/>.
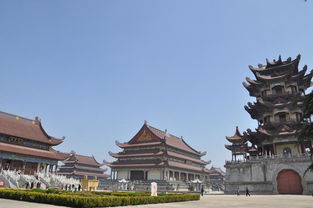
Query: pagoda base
<point x="270" y="175"/>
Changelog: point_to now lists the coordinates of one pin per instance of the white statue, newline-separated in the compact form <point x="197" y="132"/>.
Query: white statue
<point x="154" y="189"/>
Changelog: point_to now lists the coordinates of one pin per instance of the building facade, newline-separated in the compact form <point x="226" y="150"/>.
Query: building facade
<point x="26" y="147"/>
<point x="81" y="166"/>
<point x="84" y="167"/>
<point x="271" y="159"/>
<point x="153" y="154"/>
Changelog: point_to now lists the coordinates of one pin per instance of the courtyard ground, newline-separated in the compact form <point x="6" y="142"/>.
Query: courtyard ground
<point x="208" y="201"/>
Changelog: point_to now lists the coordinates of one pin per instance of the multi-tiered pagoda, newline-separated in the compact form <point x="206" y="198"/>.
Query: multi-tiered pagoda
<point x="153" y="154"/>
<point x="26" y="147"/>
<point x="80" y="166"/>
<point x="279" y="89"/>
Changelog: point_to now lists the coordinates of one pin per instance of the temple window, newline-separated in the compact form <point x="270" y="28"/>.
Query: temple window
<point x="286" y="151"/>
<point x="293" y="89"/>
<point x="281" y="117"/>
<point x="278" y="90"/>
<point x="264" y="93"/>
<point x="298" y="116"/>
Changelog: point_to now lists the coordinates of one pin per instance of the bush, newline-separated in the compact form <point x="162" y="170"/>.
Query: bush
<point x="64" y="199"/>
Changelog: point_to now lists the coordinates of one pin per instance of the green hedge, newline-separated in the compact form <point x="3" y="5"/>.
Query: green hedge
<point x="92" y="201"/>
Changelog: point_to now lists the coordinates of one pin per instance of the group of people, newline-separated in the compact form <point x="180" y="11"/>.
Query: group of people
<point x="31" y="185"/>
<point x="73" y="187"/>
<point x="247" y="192"/>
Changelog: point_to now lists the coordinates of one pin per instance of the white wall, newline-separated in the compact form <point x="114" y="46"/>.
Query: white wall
<point x="122" y="174"/>
<point x="154" y="174"/>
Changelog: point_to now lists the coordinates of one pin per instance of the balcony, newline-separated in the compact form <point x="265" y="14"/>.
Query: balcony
<point x="272" y="158"/>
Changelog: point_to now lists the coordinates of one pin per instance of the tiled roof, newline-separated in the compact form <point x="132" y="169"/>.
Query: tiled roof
<point x="174" y="154"/>
<point x="88" y="160"/>
<point x="31" y="151"/>
<point x="137" y="145"/>
<point x="184" y="166"/>
<point x="118" y="155"/>
<point x="25" y="128"/>
<point x="80" y="173"/>
<point x="172" y="140"/>
<point x="135" y="165"/>
<point x="83" y="168"/>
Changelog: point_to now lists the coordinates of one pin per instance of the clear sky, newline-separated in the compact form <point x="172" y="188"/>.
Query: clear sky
<point x="93" y="71"/>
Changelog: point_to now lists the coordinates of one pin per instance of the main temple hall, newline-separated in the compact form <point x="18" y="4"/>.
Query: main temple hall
<point x="153" y="154"/>
<point x="25" y="145"/>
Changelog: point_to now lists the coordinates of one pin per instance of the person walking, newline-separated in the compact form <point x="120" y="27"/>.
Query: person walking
<point x="238" y="193"/>
<point x="202" y="191"/>
<point x="247" y="192"/>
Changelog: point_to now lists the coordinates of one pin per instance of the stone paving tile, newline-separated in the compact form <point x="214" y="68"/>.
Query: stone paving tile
<point x="208" y="201"/>
<point x="230" y="201"/>
<point x="6" y="203"/>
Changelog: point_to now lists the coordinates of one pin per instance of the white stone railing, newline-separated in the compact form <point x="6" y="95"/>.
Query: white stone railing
<point x="304" y="157"/>
<point x="16" y="179"/>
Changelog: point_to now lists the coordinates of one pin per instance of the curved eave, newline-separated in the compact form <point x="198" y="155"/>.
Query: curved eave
<point x="253" y="82"/>
<point x="81" y="173"/>
<point x="135" y="165"/>
<point x="237" y="141"/>
<point x="279" y="63"/>
<point x="184" y="166"/>
<point x="267" y="78"/>
<point x="119" y="155"/>
<point x="191" y="148"/>
<point x="54" y="141"/>
<point x="123" y="145"/>
<point x="17" y="149"/>
<point x="254" y="114"/>
<point x="180" y="156"/>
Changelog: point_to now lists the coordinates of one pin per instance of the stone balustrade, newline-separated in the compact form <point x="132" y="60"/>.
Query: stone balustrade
<point x="294" y="157"/>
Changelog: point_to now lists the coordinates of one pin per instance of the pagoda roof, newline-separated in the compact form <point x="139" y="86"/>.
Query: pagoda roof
<point x="256" y="137"/>
<point x="149" y="135"/>
<point x="275" y="71"/>
<point x="81" y="173"/>
<point x="214" y="170"/>
<point x="278" y="65"/>
<point x="237" y="149"/>
<point x="123" y="145"/>
<point x="177" y="155"/>
<point x="135" y="165"/>
<point x="236" y="138"/>
<point x="169" y="153"/>
<point x="25" y="128"/>
<point x="121" y="155"/>
<point x="50" y="154"/>
<point x="82" y="159"/>
<point x="83" y="168"/>
<point x="184" y="166"/>
<point x="252" y="149"/>
<point x="257" y="109"/>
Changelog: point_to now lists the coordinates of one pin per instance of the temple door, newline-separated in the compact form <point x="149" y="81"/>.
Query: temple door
<point x="289" y="182"/>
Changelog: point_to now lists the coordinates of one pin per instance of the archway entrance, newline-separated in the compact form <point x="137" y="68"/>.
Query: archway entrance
<point x="289" y="182"/>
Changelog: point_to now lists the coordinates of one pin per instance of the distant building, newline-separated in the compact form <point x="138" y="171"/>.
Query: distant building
<point x="271" y="159"/>
<point x="217" y="177"/>
<point x="25" y="146"/>
<point x="153" y="154"/>
<point x="80" y="166"/>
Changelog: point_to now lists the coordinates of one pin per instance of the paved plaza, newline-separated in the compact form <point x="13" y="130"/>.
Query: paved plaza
<point x="208" y="201"/>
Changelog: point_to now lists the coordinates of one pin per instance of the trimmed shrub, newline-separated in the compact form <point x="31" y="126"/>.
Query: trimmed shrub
<point x="65" y="199"/>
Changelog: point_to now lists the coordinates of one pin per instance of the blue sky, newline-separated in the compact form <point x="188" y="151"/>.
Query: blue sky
<point x="93" y="71"/>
